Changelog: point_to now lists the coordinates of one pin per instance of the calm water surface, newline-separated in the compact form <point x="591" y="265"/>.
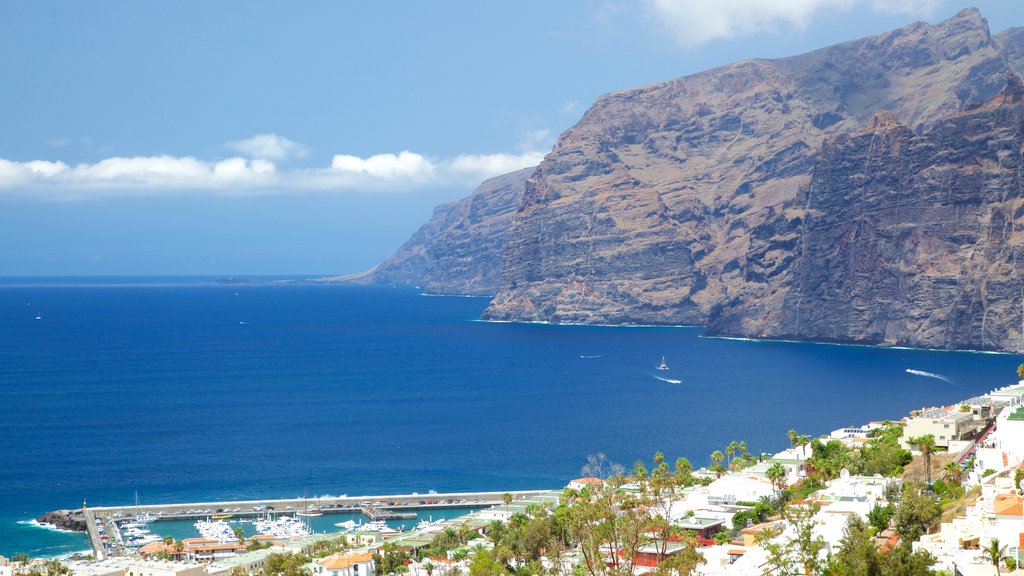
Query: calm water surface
<point x="185" y="391"/>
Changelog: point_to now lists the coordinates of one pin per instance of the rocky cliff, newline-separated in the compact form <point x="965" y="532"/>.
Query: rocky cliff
<point x="687" y="202"/>
<point x="904" y="238"/>
<point x="459" y="250"/>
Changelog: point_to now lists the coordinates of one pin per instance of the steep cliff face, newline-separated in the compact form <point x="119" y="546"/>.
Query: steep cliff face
<point x="677" y="202"/>
<point x="459" y="250"/>
<point x="1012" y="42"/>
<point x="906" y="239"/>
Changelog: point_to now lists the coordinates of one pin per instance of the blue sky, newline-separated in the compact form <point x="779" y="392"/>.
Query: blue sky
<point x="244" y="137"/>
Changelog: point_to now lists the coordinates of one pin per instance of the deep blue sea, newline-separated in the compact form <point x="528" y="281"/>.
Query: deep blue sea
<point x="184" y="391"/>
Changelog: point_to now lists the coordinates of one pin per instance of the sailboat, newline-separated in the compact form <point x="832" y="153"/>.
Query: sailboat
<point x="663" y="365"/>
<point x="310" y="509"/>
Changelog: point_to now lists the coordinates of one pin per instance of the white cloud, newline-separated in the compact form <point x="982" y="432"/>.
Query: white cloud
<point x="925" y="8"/>
<point x="137" y="175"/>
<point x="695" y="22"/>
<point x="402" y="166"/>
<point x="484" y="166"/>
<point x="268" y="147"/>
<point x="149" y="175"/>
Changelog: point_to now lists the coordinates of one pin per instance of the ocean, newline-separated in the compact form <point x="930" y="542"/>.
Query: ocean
<point x="181" y="390"/>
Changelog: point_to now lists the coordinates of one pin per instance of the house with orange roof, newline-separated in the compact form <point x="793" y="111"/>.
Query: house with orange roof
<point x="1008" y="505"/>
<point x="581" y="483"/>
<point x="159" y="548"/>
<point x="345" y="564"/>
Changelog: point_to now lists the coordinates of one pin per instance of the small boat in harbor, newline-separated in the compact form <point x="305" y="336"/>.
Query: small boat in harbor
<point x="663" y="365"/>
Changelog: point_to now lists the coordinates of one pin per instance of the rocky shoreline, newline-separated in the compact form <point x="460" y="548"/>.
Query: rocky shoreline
<point x="73" y="520"/>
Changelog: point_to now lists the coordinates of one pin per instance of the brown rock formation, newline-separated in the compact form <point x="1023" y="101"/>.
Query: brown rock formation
<point x="908" y="239"/>
<point x="684" y="202"/>
<point x="459" y="250"/>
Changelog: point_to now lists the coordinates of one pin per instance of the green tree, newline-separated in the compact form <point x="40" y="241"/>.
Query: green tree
<point x="1020" y="372"/>
<point x="507" y="499"/>
<point x="777" y="476"/>
<point x="240" y="534"/>
<point x="723" y="537"/>
<point x="925" y="444"/>
<point x="389" y="559"/>
<point x="717" y="458"/>
<point x="485" y="564"/>
<point x="917" y="513"/>
<point x="285" y="565"/>
<point x="731" y="450"/>
<point x="802" y="555"/>
<point x="792" y="435"/>
<point x="857" y="555"/>
<point x="995" y="552"/>
<point x="903" y="561"/>
<point x="879" y="517"/>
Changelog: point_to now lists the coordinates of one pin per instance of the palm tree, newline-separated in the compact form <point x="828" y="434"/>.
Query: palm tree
<point x="777" y="475"/>
<point x="717" y="457"/>
<point x="792" y="435"/>
<point x="995" y="552"/>
<point x="952" y="473"/>
<point x="926" y="445"/>
<point x="1020" y="371"/>
<point x="507" y="499"/>
<point x="240" y="535"/>
<point x="731" y="449"/>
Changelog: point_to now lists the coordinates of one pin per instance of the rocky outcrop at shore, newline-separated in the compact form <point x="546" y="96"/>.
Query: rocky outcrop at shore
<point x="73" y="520"/>
<point x="459" y="250"/>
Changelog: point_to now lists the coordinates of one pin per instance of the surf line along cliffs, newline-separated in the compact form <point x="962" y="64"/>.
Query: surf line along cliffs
<point x="866" y="192"/>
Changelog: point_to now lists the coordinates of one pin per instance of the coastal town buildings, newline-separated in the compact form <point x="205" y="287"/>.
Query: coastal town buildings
<point x="989" y="428"/>
<point x="945" y="425"/>
<point x="345" y="564"/>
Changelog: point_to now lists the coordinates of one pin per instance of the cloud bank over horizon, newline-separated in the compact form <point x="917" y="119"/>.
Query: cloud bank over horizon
<point x="254" y="170"/>
<point x="693" y="23"/>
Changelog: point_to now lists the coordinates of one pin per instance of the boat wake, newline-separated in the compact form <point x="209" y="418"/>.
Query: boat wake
<point x="588" y="357"/>
<point x="669" y="380"/>
<point x="37" y="524"/>
<point x="929" y="375"/>
<point x="945" y="379"/>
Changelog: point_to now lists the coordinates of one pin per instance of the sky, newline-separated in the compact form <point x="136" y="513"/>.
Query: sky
<point x="312" y="138"/>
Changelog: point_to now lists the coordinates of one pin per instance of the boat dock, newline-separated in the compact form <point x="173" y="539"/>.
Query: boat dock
<point x="386" y="507"/>
<point x="375" y="513"/>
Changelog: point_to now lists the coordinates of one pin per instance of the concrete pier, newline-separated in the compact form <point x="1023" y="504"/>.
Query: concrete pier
<point x="388" y="505"/>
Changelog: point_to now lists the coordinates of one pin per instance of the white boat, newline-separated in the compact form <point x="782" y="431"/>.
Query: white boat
<point x="285" y="527"/>
<point x="663" y="365"/>
<point x="218" y="530"/>
<point x="348" y="525"/>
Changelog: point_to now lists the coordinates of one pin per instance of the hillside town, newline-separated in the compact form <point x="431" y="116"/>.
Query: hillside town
<point x="943" y="494"/>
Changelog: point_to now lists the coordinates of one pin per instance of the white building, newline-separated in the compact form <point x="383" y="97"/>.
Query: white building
<point x="944" y="425"/>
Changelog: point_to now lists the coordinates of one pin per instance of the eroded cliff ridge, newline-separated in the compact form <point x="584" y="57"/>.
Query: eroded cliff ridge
<point x="685" y="202"/>
<point x="459" y="250"/>
<point x="905" y="238"/>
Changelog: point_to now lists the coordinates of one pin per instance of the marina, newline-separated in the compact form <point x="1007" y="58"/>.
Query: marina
<point x="114" y="530"/>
